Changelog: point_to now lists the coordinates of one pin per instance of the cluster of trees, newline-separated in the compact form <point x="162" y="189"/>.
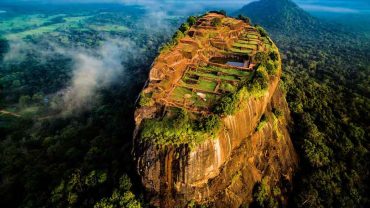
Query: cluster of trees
<point x="3" y="47"/>
<point x="180" y="33"/>
<point x="245" y="19"/>
<point x="75" y="161"/>
<point x="267" y="65"/>
<point x="265" y="195"/>
<point x="326" y="73"/>
<point x="180" y="129"/>
<point x="328" y="94"/>
<point x="82" y="161"/>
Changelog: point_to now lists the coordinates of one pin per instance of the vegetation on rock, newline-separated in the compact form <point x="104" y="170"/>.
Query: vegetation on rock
<point x="180" y="129"/>
<point x="232" y="102"/>
<point x="180" y="33"/>
<point x="327" y="91"/>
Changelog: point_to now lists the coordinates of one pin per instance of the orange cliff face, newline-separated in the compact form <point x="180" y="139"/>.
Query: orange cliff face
<point x="217" y="57"/>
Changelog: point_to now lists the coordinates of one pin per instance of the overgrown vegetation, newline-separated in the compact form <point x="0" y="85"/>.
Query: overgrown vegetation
<point x="121" y="196"/>
<point x="262" y="123"/>
<point x="78" y="161"/>
<point x="326" y="76"/>
<point x="145" y="99"/>
<point x="245" y="19"/>
<point x="230" y="103"/>
<point x="180" y="33"/>
<point x="180" y="129"/>
<point x="262" y="31"/>
<point x="56" y="161"/>
<point x="216" y="22"/>
<point x="265" y="195"/>
<point x="329" y="101"/>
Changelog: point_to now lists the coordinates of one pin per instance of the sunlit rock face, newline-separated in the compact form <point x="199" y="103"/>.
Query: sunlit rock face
<point x="220" y="171"/>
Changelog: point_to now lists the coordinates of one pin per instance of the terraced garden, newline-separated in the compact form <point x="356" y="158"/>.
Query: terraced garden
<point x="203" y="86"/>
<point x="247" y="44"/>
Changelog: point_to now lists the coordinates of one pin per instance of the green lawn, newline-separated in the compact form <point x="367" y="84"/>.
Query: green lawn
<point x="244" y="51"/>
<point x="203" y="73"/>
<point x="180" y="92"/>
<point x="228" y="71"/>
<point x="206" y="85"/>
<point x="251" y="35"/>
<point x="228" y="87"/>
<point x="245" y="45"/>
<point x="201" y="84"/>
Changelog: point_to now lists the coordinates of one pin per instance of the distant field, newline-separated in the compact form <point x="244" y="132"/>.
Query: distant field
<point x="25" y="22"/>
<point x="109" y="28"/>
<point x="36" y="25"/>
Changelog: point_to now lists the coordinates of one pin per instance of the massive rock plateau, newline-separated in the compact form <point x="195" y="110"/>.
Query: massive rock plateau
<point x="252" y="144"/>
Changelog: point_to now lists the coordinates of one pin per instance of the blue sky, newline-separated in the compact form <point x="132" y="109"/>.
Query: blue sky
<point x="315" y="6"/>
<point x="335" y="6"/>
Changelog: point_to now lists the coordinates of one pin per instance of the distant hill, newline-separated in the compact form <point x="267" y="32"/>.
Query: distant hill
<point x="281" y="17"/>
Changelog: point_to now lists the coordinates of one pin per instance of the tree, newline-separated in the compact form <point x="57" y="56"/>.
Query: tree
<point x="3" y="47"/>
<point x="121" y="197"/>
<point x="191" y="20"/>
<point x="37" y="98"/>
<point x="216" y="22"/>
<point x="245" y="19"/>
<point x="184" y="27"/>
<point x="261" y="57"/>
<point x="24" y="101"/>
<point x="262" y="31"/>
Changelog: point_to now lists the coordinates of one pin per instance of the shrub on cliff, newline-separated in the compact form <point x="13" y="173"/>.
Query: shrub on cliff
<point x="226" y="106"/>
<point x="271" y="67"/>
<point x="210" y="123"/>
<point x="273" y="55"/>
<point x="180" y="33"/>
<point x="179" y="129"/>
<point x="184" y="27"/>
<point x="262" y="123"/>
<point x="245" y="19"/>
<point x="145" y="100"/>
<point x="177" y="36"/>
<point x="230" y="103"/>
<point x="259" y="85"/>
<point x="261" y="31"/>
<point x="261" y="58"/>
<point x="191" y="20"/>
<point x="216" y="22"/>
<point x="175" y="39"/>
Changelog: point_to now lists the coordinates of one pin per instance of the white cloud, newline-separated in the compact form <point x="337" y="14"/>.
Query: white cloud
<point x="319" y="8"/>
<point x="94" y="70"/>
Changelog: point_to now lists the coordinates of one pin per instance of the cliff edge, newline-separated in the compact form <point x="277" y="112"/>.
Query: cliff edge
<point x="211" y="128"/>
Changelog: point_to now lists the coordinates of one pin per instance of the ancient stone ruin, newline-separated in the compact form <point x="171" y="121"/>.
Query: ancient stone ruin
<point x="178" y="158"/>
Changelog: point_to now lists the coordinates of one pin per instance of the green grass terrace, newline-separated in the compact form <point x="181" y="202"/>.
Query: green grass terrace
<point x="200" y="88"/>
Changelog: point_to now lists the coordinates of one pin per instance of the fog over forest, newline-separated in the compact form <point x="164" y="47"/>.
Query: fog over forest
<point x="72" y="74"/>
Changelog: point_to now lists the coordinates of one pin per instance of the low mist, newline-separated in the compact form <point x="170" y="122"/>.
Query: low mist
<point x="97" y="70"/>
